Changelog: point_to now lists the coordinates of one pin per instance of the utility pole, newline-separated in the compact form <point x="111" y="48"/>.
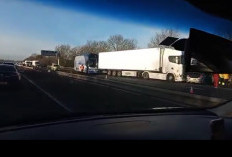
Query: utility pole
<point x="58" y="58"/>
<point x="58" y="61"/>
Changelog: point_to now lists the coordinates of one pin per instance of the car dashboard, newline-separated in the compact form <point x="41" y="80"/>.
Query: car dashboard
<point x="152" y="126"/>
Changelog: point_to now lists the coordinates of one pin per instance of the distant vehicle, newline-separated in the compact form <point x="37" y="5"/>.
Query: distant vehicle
<point x="86" y="63"/>
<point x="28" y="63"/>
<point x="54" y="67"/>
<point x="19" y="64"/>
<point x="35" y="63"/>
<point x="201" y="78"/>
<point x="9" y="75"/>
<point x="9" y="63"/>
<point x="154" y="63"/>
<point x="195" y="77"/>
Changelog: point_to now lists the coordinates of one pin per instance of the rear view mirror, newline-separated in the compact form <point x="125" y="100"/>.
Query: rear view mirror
<point x="213" y="53"/>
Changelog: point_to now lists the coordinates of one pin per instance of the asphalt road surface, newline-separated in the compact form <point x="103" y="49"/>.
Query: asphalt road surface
<point x="27" y="105"/>
<point x="47" y="96"/>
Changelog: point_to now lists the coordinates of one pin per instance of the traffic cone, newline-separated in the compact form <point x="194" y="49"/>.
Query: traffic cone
<point x="191" y="90"/>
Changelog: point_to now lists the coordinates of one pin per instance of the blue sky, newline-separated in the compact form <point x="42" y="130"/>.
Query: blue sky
<point x="26" y="26"/>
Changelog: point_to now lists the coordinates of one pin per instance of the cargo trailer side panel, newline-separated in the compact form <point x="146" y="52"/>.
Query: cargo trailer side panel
<point x="144" y="59"/>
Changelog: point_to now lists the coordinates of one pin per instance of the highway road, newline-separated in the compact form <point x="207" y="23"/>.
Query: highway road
<point x="27" y="105"/>
<point x="46" y="96"/>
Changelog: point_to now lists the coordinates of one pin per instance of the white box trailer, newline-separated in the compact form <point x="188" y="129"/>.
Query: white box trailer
<point x="146" y="59"/>
<point x="35" y="63"/>
<point x="154" y="63"/>
<point x="28" y="63"/>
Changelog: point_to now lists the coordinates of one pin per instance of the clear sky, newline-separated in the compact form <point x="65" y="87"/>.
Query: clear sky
<point x="26" y="26"/>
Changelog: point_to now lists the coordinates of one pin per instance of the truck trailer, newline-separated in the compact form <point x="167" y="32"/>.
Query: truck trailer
<point x="153" y="63"/>
<point x="28" y="63"/>
<point x="35" y="63"/>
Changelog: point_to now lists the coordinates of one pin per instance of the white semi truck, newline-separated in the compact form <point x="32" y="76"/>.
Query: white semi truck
<point x="28" y="63"/>
<point x="153" y="63"/>
<point x="35" y="63"/>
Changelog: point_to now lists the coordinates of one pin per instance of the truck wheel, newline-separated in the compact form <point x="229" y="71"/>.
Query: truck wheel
<point x="146" y="75"/>
<point x="170" y="78"/>
<point x="109" y="72"/>
<point x="119" y="73"/>
<point x="114" y="73"/>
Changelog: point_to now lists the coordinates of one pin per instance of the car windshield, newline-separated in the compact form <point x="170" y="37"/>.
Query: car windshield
<point x="92" y="62"/>
<point x="176" y="59"/>
<point x="121" y="67"/>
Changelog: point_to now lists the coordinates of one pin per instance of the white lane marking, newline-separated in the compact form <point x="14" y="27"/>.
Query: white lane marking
<point x="93" y="82"/>
<point x="48" y="94"/>
<point x="163" y="108"/>
<point x="195" y="87"/>
<point x="125" y="91"/>
<point x="105" y="85"/>
<point x="173" y="102"/>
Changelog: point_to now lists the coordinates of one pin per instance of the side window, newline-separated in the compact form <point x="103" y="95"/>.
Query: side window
<point x="176" y="59"/>
<point x="172" y="59"/>
<point x="193" y="61"/>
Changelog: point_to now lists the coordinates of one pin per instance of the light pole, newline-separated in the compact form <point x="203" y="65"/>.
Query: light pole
<point x="58" y="61"/>
<point x="58" y="58"/>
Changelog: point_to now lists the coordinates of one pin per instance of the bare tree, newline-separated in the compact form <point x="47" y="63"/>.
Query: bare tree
<point x="75" y="51"/>
<point x="118" y="43"/>
<point x="64" y="51"/>
<point x="34" y="56"/>
<point x="93" y="47"/>
<point x="159" y="37"/>
<point x="114" y="43"/>
<point x="45" y="61"/>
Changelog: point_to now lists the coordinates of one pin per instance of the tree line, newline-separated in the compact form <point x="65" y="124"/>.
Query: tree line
<point x="113" y="43"/>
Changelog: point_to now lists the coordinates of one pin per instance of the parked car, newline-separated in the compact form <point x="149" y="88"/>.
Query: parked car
<point x="55" y="67"/>
<point x="9" y="75"/>
<point x="9" y="63"/>
<point x="201" y="78"/>
<point x="19" y="64"/>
